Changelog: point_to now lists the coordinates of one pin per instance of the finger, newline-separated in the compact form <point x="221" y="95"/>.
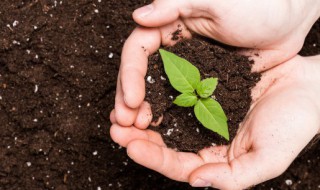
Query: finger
<point x="269" y="57"/>
<point x="173" y="33"/>
<point x="144" y="116"/>
<point x="134" y="60"/>
<point x="266" y="59"/>
<point x="124" y="115"/>
<point x="163" y="12"/>
<point x="245" y="171"/>
<point x="113" y="117"/>
<point x="124" y="135"/>
<point x="174" y="165"/>
<point x="214" y="154"/>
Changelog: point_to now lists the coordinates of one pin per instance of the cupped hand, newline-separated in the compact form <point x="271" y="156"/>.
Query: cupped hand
<point x="283" y="118"/>
<point x="273" y="31"/>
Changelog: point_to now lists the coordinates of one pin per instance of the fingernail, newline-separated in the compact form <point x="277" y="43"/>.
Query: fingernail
<point x="144" y="11"/>
<point x="201" y="183"/>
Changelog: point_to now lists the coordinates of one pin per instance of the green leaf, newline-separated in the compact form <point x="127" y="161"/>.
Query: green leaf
<point x="186" y="100"/>
<point x="206" y="87"/>
<point x="211" y="115"/>
<point x="183" y="76"/>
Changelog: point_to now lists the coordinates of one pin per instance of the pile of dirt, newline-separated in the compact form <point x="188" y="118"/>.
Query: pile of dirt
<point x="180" y="128"/>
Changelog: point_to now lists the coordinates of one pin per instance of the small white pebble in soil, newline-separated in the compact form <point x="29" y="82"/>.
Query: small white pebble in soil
<point x="288" y="182"/>
<point x="175" y="124"/>
<point x="0" y="97"/>
<point x="95" y="153"/>
<point x="150" y="80"/>
<point x="98" y="188"/>
<point x="110" y="185"/>
<point x="28" y="164"/>
<point x="8" y="25"/>
<point x="15" y="23"/>
<point x="35" y="120"/>
<point x="171" y="97"/>
<point x="36" y="88"/>
<point x="169" y="132"/>
<point x="189" y="114"/>
<point x="89" y="179"/>
<point x="99" y="126"/>
<point x="314" y="45"/>
<point x="96" y="11"/>
<point x="197" y="129"/>
<point x="8" y="147"/>
<point x="16" y="42"/>
<point x="72" y="163"/>
<point x="35" y="27"/>
<point x="37" y="56"/>
<point x="162" y="78"/>
<point x="125" y="163"/>
<point x="110" y="55"/>
<point x="28" y="51"/>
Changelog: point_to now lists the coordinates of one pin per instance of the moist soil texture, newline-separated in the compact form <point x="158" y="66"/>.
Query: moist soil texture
<point x="58" y="68"/>
<point x="180" y="128"/>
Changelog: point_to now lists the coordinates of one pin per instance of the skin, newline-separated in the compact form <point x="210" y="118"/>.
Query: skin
<point x="284" y="115"/>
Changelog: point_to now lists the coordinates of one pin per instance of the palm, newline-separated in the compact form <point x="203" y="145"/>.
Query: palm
<point x="280" y="123"/>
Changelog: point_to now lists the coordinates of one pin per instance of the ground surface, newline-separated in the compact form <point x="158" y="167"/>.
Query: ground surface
<point x="58" y="67"/>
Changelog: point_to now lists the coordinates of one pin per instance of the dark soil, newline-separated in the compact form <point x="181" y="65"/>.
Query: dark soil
<point x="180" y="128"/>
<point x="58" y="66"/>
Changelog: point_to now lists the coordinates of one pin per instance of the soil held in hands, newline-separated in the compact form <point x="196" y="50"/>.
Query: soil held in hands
<point x="180" y="128"/>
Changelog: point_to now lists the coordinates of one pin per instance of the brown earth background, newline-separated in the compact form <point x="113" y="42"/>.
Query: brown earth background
<point x="58" y="68"/>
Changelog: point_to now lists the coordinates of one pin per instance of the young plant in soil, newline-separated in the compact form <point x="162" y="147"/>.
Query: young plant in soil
<point x="185" y="78"/>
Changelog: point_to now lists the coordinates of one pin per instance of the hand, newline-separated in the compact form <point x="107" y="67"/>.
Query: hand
<point x="284" y="117"/>
<point x="273" y="30"/>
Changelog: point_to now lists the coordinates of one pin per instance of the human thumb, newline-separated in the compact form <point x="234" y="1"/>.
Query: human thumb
<point x="243" y="172"/>
<point x="163" y="12"/>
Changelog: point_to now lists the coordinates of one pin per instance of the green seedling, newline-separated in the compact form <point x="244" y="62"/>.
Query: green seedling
<point x="185" y="78"/>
